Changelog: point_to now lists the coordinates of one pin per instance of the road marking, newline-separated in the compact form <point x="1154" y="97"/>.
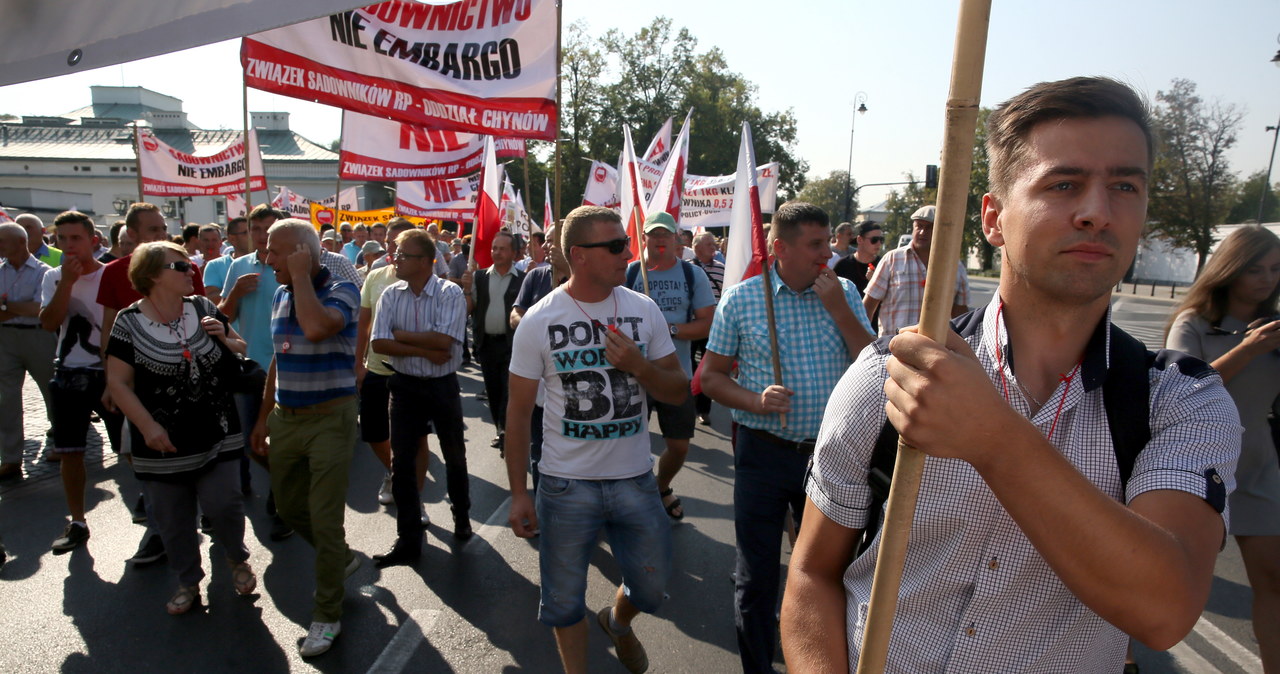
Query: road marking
<point x="1190" y="661"/>
<point x="396" y="655"/>
<point x="494" y="526"/>
<point x="1228" y="646"/>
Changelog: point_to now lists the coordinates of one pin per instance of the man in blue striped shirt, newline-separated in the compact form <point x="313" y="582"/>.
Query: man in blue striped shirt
<point x="309" y="411"/>
<point x="419" y="324"/>
<point x="821" y="327"/>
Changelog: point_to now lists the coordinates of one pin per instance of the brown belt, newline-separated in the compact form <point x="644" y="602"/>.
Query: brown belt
<point x="318" y="408"/>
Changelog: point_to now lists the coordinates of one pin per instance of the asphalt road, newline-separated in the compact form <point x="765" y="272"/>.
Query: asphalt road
<point x="463" y="608"/>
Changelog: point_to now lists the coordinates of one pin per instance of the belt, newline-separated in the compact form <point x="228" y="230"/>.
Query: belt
<point x="801" y="447"/>
<point x="19" y="326"/>
<point x="318" y="408"/>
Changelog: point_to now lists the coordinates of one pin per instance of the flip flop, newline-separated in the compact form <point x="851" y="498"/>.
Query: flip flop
<point x="186" y="598"/>
<point x="242" y="578"/>
<point x="672" y="507"/>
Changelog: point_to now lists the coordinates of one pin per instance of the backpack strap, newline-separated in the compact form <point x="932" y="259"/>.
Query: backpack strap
<point x="688" y="288"/>
<point x="633" y="272"/>
<point x="1126" y="396"/>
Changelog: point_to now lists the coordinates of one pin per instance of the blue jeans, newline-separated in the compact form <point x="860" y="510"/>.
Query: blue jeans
<point x="535" y="444"/>
<point x="571" y="514"/>
<point x="767" y="479"/>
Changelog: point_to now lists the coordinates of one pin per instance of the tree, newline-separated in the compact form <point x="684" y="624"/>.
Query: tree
<point x="1192" y="187"/>
<point x="979" y="185"/>
<point x="828" y="194"/>
<point x="1250" y="194"/>
<point x="901" y="205"/>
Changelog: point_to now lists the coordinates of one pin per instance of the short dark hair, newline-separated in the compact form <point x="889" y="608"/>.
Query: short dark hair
<point x="75" y="217"/>
<point x="787" y="221"/>
<point x="237" y="220"/>
<point x="541" y="237"/>
<point x="190" y="232"/>
<point x="114" y="234"/>
<point x="868" y="226"/>
<point x="135" y="210"/>
<point x="1076" y="98"/>
<point x="398" y="224"/>
<point x="265" y="211"/>
<point x="579" y="221"/>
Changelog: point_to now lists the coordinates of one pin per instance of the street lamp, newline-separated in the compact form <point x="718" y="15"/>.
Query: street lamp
<point x="860" y="107"/>
<point x="1275" y="134"/>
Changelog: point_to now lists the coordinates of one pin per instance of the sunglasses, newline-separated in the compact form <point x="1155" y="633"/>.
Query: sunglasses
<point x="877" y="239"/>
<point x="404" y="256"/>
<point x="181" y="265"/>
<point x="614" y="246"/>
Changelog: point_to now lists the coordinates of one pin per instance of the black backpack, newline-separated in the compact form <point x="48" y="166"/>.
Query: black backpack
<point x="1125" y="396"/>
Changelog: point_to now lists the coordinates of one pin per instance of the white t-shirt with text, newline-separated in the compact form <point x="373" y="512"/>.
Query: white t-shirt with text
<point x="80" y="335"/>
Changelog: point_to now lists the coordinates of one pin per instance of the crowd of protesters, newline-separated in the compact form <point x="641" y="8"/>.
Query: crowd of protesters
<point x="287" y="345"/>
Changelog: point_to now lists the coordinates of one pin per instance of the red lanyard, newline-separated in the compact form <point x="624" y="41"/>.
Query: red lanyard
<point x="1004" y="384"/>
<point x="612" y="326"/>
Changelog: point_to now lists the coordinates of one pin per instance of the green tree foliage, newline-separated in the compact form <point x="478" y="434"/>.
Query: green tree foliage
<point x="1192" y="186"/>
<point x="901" y="205"/>
<point x="828" y="194"/>
<point x="979" y="185"/>
<point x="1250" y="194"/>
<point x="641" y="79"/>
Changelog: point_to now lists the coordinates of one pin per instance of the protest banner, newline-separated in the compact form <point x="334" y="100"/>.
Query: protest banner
<point x="478" y="67"/>
<point x="323" y="215"/>
<point x="297" y="206"/>
<point x="443" y="199"/>
<point x="167" y="171"/>
<point x="708" y="199"/>
<point x="374" y="148"/>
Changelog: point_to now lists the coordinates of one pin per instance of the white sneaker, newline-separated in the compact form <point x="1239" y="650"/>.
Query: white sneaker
<point x="319" y="638"/>
<point x="384" y="494"/>
<point x="426" y="519"/>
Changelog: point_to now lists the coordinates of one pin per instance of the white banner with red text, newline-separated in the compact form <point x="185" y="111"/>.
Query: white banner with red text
<point x="453" y="199"/>
<point x="374" y="148"/>
<point x="479" y="66"/>
<point x="167" y="171"/>
<point x="706" y="200"/>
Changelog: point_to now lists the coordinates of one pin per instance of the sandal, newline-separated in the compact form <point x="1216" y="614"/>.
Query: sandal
<point x="673" y="506"/>
<point x="242" y="578"/>
<point x="186" y="598"/>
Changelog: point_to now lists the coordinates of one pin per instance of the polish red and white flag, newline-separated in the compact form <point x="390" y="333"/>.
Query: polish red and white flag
<point x="630" y="192"/>
<point x="488" y="216"/>
<point x="747" y="251"/>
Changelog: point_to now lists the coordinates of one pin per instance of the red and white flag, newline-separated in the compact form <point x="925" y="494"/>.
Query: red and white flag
<point x="488" y="216"/>
<point x="4" y="217"/>
<point x="630" y="192"/>
<point x="747" y="250"/>
<point x="548" y="219"/>
<point x="667" y="196"/>
<point x="660" y="146"/>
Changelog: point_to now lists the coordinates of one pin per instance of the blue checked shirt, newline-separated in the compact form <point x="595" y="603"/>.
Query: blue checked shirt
<point x="22" y="284"/>
<point x="309" y="373"/>
<point x="812" y="351"/>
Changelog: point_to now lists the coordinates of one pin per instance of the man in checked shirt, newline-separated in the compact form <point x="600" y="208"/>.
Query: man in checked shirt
<point x="821" y="328"/>
<point x="1028" y="552"/>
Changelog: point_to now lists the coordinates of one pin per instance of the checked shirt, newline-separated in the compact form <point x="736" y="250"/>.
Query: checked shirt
<point x="810" y="346"/>
<point x="976" y="595"/>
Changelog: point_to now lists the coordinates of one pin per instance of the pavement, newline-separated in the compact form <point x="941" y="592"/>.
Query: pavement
<point x="465" y="607"/>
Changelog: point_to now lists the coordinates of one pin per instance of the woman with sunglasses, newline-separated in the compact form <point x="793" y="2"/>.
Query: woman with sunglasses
<point x="167" y="368"/>
<point x="1228" y="319"/>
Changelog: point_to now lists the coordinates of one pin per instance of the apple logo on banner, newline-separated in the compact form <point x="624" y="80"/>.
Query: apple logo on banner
<point x="324" y="217"/>
<point x="149" y="142"/>
<point x="600" y="174"/>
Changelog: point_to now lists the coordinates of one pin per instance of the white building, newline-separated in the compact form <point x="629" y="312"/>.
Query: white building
<point x="84" y="159"/>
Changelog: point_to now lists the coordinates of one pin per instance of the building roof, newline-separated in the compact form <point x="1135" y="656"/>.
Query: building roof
<point x="90" y="143"/>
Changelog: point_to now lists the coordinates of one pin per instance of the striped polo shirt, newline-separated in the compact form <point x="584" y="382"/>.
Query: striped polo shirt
<point x="309" y="373"/>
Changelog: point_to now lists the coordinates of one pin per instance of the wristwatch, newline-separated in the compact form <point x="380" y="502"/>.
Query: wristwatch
<point x="674" y="329"/>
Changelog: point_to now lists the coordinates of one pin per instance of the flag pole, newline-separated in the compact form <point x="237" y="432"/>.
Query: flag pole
<point x="137" y="159"/>
<point x="559" y="65"/>
<point x="248" y="186"/>
<point x="957" y="161"/>
<point x="637" y="214"/>
<point x="527" y="208"/>
<point x="337" y="188"/>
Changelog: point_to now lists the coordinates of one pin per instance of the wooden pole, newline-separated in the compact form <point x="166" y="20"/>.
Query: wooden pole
<point x="767" y="283"/>
<point x="637" y="214"/>
<point x="137" y="160"/>
<point x="248" y="186"/>
<point x="559" y="64"/>
<point x="527" y="208"/>
<point x="953" y="187"/>
<point x="337" y="188"/>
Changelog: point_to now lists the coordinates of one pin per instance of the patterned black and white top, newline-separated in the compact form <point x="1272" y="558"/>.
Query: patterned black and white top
<point x="976" y="596"/>
<point x="188" y="396"/>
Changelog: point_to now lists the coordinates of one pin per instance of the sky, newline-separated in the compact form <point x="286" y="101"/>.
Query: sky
<point x="815" y="56"/>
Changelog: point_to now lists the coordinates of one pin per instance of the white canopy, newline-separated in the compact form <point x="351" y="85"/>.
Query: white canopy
<point x="47" y="38"/>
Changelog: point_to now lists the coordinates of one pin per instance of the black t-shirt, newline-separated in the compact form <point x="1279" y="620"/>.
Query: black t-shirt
<point x="860" y="273"/>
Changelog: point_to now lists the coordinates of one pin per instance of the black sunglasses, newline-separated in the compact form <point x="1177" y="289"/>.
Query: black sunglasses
<point x="181" y="265"/>
<point x="614" y="246"/>
<point x="877" y="239"/>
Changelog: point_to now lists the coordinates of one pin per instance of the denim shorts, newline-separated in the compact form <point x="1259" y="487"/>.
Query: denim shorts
<point x="571" y="514"/>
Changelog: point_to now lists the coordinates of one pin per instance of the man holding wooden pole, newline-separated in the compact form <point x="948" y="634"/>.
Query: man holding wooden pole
<point x="1039" y="541"/>
<point x="821" y="327"/>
